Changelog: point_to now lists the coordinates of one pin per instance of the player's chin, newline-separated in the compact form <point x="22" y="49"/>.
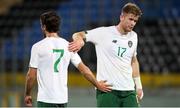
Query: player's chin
<point x="128" y="30"/>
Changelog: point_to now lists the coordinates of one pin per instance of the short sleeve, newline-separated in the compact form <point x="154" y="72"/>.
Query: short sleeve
<point x="135" y="51"/>
<point x="34" y="57"/>
<point x="75" y="59"/>
<point x="94" y="35"/>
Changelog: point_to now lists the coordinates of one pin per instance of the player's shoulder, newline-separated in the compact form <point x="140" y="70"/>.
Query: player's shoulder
<point x="109" y="27"/>
<point x="105" y="27"/>
<point x="133" y="34"/>
<point x="45" y="40"/>
<point x="63" y="40"/>
<point x="102" y="29"/>
<point x="35" y="45"/>
<point x="39" y="42"/>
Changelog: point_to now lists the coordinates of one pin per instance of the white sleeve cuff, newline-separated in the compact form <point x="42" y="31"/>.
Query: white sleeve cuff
<point x="75" y="59"/>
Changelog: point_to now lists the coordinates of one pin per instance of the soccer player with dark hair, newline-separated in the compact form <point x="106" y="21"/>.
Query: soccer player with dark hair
<point x="49" y="63"/>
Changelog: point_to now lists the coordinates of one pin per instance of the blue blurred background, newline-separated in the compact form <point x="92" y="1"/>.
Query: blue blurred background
<point x="158" y="51"/>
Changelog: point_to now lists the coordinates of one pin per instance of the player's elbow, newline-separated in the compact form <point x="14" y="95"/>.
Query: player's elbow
<point x="30" y="77"/>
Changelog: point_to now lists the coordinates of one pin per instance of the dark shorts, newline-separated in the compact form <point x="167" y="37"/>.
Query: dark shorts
<point x="117" y="98"/>
<point x="43" y="104"/>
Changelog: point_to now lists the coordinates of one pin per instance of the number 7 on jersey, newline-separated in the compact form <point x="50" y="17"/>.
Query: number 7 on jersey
<point x="60" y="53"/>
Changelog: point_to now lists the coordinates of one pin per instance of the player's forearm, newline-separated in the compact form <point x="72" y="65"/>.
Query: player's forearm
<point x="90" y="77"/>
<point x="135" y="67"/>
<point x="85" y="71"/>
<point x="136" y="73"/>
<point x="29" y="84"/>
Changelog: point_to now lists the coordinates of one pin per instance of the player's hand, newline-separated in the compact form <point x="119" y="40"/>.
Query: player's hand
<point x="76" y="45"/>
<point x="103" y="86"/>
<point x="140" y="94"/>
<point x="28" y="101"/>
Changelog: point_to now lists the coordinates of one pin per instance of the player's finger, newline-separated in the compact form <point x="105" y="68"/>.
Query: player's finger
<point x="103" y="81"/>
<point x="107" y="90"/>
<point x="73" y="48"/>
<point x="29" y="105"/>
<point x="140" y="96"/>
<point x="106" y="84"/>
<point x="71" y="43"/>
<point x="109" y="85"/>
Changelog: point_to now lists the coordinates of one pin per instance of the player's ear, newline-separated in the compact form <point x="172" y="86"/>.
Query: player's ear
<point x="43" y="27"/>
<point x="121" y="17"/>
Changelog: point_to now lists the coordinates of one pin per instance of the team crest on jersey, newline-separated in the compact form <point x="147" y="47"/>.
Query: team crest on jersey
<point x="130" y="44"/>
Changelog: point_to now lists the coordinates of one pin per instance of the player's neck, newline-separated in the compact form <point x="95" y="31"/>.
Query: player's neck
<point x="121" y="30"/>
<point x="51" y="34"/>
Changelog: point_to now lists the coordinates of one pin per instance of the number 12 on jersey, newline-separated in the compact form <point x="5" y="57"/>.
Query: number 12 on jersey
<point x="60" y="53"/>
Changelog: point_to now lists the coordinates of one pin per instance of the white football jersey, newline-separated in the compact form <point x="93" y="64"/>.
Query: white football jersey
<point x="114" y="55"/>
<point x="51" y="58"/>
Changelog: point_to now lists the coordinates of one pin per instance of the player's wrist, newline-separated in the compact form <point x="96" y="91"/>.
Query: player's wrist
<point x="137" y="81"/>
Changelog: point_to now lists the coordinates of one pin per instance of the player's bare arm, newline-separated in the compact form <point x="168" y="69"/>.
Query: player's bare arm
<point x="78" y="42"/>
<point x="135" y="67"/>
<point x="101" y="85"/>
<point x="30" y="79"/>
<point x="136" y="77"/>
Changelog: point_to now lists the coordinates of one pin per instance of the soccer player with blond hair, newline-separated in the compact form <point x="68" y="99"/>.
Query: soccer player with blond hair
<point x="116" y="49"/>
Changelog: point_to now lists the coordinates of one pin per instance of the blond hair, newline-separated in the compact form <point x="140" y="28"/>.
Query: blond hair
<point x="132" y="8"/>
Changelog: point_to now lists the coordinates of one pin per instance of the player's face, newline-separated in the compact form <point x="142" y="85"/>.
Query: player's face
<point x="128" y="21"/>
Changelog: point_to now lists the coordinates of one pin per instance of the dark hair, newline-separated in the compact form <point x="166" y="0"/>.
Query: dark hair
<point x="51" y="20"/>
<point x="132" y="8"/>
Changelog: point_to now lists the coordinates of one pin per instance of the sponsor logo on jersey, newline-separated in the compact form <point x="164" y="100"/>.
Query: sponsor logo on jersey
<point x="114" y="41"/>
